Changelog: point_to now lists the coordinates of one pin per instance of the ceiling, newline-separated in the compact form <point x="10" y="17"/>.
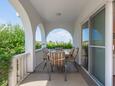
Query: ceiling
<point x="59" y="11"/>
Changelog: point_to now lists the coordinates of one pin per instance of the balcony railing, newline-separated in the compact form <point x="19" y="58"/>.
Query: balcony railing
<point x="38" y="57"/>
<point x="18" y="69"/>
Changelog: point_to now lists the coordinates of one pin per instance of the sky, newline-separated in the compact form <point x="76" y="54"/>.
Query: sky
<point x="85" y="35"/>
<point x="8" y="13"/>
<point x="60" y="35"/>
<point x="8" y="16"/>
<point x="95" y="35"/>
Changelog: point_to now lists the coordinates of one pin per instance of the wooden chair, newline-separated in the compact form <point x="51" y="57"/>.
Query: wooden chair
<point x="45" y="52"/>
<point x="70" y="53"/>
<point x="56" y="59"/>
<point x="43" y="63"/>
<point x="75" y="54"/>
<point x="72" y="58"/>
<point x="45" y="57"/>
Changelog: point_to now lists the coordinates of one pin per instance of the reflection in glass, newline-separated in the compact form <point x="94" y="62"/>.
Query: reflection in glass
<point x="98" y="29"/>
<point x="98" y="61"/>
<point x="97" y="51"/>
<point x="85" y="40"/>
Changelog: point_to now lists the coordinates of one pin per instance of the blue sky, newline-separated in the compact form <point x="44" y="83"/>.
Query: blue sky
<point x="8" y="13"/>
<point x="85" y="35"/>
<point x="95" y="35"/>
<point x="8" y="16"/>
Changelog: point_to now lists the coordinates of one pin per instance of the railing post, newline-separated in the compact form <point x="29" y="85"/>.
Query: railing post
<point x="13" y="73"/>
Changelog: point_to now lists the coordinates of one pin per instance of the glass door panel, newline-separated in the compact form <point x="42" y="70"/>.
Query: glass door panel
<point x="97" y="46"/>
<point x="98" y="29"/>
<point x="98" y="66"/>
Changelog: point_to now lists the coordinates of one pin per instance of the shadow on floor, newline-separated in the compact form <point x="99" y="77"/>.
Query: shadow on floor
<point x="41" y="79"/>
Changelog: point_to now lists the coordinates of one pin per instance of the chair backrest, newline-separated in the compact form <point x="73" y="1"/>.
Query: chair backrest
<point x="75" y="53"/>
<point x="57" y="58"/>
<point x="71" y="51"/>
<point x="45" y="52"/>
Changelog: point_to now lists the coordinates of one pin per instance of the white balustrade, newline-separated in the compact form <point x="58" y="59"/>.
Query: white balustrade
<point x="39" y="56"/>
<point x="18" y="71"/>
<point x="19" y="67"/>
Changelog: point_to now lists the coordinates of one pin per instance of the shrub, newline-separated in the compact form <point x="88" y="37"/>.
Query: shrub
<point x="53" y="45"/>
<point x="85" y="46"/>
<point x="11" y="43"/>
<point x="37" y="45"/>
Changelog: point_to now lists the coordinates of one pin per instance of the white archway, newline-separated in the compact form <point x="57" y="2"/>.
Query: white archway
<point x="40" y="35"/>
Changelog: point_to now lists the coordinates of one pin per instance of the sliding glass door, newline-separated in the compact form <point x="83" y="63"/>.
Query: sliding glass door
<point x="97" y="46"/>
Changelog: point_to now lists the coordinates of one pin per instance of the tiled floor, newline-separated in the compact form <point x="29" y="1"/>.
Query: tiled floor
<point x="41" y="79"/>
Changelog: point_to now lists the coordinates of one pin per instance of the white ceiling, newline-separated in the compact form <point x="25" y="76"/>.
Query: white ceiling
<point x="70" y="9"/>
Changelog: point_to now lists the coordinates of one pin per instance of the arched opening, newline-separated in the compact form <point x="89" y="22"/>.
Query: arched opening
<point x="59" y="38"/>
<point x="38" y="38"/>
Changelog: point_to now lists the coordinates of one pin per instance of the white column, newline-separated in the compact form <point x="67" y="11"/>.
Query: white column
<point x="108" y="44"/>
<point x="43" y="35"/>
<point x="29" y="48"/>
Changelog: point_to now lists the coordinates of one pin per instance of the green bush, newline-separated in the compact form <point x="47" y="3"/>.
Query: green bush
<point x="53" y="45"/>
<point x="11" y="43"/>
<point x="37" y="45"/>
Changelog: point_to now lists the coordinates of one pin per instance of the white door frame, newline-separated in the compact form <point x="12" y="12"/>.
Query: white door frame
<point x="109" y="43"/>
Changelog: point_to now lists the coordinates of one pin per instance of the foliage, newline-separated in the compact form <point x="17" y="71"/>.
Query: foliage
<point x="11" y="43"/>
<point x="85" y="46"/>
<point x="37" y="45"/>
<point x="52" y="45"/>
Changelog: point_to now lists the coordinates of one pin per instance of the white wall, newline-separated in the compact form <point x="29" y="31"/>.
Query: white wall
<point x="77" y="39"/>
<point x="67" y="26"/>
<point x="91" y="7"/>
<point x="32" y="13"/>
